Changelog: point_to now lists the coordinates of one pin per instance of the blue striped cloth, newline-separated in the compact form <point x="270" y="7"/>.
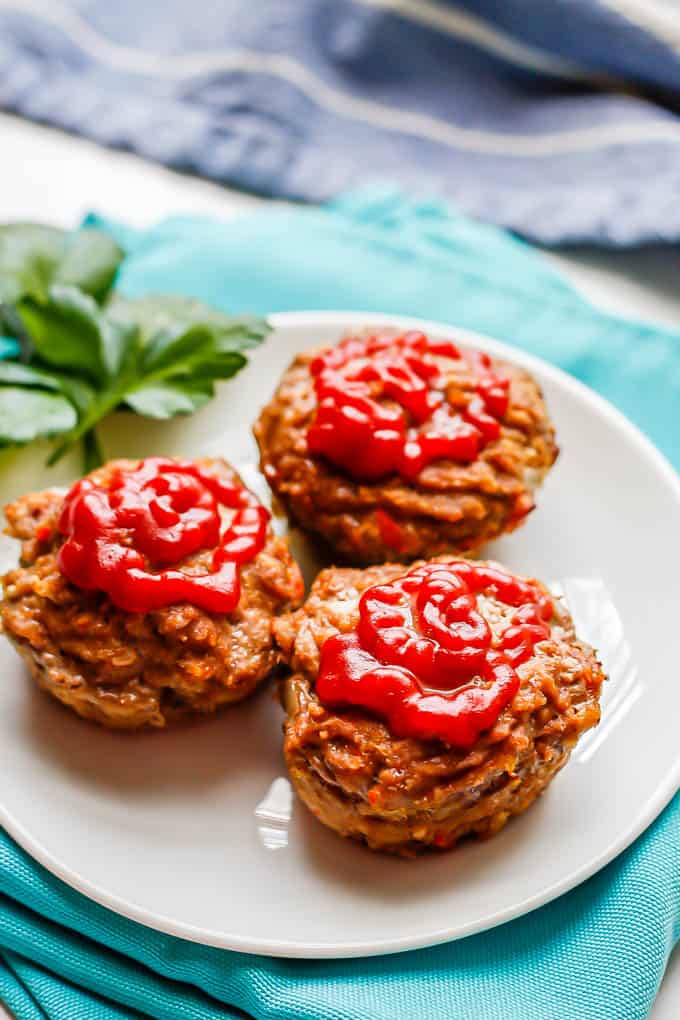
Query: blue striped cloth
<point x="555" y="119"/>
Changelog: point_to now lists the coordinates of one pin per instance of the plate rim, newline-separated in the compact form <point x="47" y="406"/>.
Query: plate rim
<point x="664" y="792"/>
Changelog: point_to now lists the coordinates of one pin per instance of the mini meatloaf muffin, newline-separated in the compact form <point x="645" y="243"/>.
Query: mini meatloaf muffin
<point x="148" y="592"/>
<point x="393" y="446"/>
<point x="426" y="706"/>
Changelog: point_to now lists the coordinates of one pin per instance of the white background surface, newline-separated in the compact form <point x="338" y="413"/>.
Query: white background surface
<point x="48" y="176"/>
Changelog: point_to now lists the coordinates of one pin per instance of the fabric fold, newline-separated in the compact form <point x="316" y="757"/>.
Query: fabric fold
<point x="547" y="119"/>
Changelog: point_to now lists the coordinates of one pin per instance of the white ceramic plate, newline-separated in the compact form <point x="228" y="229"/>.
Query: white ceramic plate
<point x="189" y="831"/>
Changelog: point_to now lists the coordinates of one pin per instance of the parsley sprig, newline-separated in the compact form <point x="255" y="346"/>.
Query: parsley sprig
<point x="78" y="350"/>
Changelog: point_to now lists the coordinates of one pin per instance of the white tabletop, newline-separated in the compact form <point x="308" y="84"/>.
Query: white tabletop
<point x="48" y="176"/>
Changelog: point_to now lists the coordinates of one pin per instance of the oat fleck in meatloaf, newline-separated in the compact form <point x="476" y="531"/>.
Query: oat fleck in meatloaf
<point x="403" y="794"/>
<point x="132" y="669"/>
<point x="392" y="446"/>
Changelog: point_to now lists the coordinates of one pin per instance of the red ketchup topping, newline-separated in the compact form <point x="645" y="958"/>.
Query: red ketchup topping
<point x="424" y="658"/>
<point x="368" y="438"/>
<point x="153" y="516"/>
<point x="391" y="533"/>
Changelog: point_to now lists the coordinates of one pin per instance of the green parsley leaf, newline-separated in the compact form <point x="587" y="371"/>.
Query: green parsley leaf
<point x="26" y="414"/>
<point x="173" y="373"/>
<point x="33" y="257"/>
<point x="90" y="263"/>
<point x="24" y="375"/>
<point x="68" y="330"/>
<point x="164" y="400"/>
<point x="85" y="352"/>
<point x="165" y="311"/>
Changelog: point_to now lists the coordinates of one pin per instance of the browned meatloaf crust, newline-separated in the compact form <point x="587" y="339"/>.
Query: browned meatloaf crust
<point x="451" y="507"/>
<point x="405" y="795"/>
<point x="127" y="670"/>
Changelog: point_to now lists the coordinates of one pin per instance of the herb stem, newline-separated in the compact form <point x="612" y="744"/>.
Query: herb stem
<point x="93" y="455"/>
<point x="106" y="403"/>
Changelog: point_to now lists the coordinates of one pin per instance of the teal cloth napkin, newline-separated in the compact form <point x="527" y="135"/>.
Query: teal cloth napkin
<point x="597" y="953"/>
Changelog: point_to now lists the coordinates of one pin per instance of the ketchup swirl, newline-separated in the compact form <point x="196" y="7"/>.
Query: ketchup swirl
<point x="355" y="429"/>
<point x="153" y="516"/>
<point x="424" y="658"/>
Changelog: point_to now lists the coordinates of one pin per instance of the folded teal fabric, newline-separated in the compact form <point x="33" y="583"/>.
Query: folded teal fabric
<point x="597" y="953"/>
